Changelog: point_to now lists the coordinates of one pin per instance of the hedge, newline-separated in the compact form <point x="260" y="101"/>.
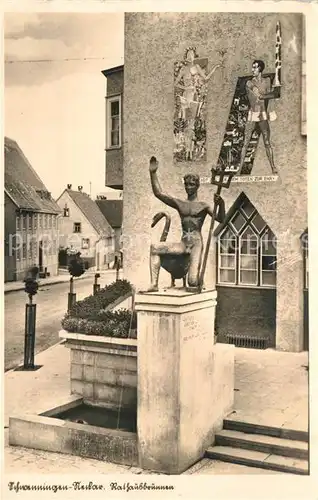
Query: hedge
<point x="89" y="316"/>
<point x="90" y="307"/>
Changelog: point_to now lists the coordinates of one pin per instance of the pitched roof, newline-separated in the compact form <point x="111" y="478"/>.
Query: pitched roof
<point x="91" y="211"/>
<point x="113" y="211"/>
<point x="23" y="184"/>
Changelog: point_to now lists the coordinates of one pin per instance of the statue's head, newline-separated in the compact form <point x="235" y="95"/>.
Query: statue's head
<point x="190" y="54"/>
<point x="191" y="183"/>
<point x="258" y="67"/>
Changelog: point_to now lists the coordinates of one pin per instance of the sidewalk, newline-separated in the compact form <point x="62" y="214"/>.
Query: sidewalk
<point x="271" y="388"/>
<point x="15" y="286"/>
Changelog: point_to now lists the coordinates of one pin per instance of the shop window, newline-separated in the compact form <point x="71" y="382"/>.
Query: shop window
<point x="77" y="227"/>
<point x="247" y="250"/>
<point x="113" y="127"/>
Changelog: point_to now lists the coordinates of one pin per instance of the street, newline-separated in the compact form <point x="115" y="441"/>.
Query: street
<point x="51" y="306"/>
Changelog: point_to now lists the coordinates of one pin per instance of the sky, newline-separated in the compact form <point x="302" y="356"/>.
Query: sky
<point x="55" y="110"/>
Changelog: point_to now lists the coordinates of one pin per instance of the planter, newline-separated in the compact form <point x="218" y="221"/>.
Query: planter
<point x="103" y="370"/>
<point x="122" y="302"/>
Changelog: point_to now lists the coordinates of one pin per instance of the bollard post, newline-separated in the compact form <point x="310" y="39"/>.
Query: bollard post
<point x="71" y="295"/>
<point x="117" y="269"/>
<point x="29" y="337"/>
<point x="96" y="285"/>
<point x="31" y="287"/>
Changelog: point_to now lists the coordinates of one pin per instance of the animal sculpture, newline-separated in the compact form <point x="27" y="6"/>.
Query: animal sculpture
<point x="176" y="265"/>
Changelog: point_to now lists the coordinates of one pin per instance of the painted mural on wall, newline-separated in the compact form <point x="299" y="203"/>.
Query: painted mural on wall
<point x="190" y="86"/>
<point x="249" y="118"/>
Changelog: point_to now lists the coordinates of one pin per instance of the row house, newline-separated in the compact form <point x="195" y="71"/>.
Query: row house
<point x="31" y="218"/>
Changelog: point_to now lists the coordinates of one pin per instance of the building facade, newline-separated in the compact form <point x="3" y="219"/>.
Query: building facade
<point x="197" y="96"/>
<point x="114" y="127"/>
<point x="113" y="213"/>
<point x="84" y="229"/>
<point x="31" y="219"/>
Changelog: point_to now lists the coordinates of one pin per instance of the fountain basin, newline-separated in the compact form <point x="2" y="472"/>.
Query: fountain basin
<point x="103" y="370"/>
<point x="99" y="438"/>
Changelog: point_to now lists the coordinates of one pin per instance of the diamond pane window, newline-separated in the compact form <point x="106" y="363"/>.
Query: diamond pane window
<point x="247" y="208"/>
<point x="258" y="223"/>
<point x="247" y="250"/>
<point x="238" y="221"/>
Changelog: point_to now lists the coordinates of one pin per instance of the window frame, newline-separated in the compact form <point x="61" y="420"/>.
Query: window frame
<point x="86" y="247"/>
<point x="18" y="254"/>
<point x="79" y="225"/>
<point x="264" y="285"/>
<point x="109" y="101"/>
<point x="219" y="256"/>
<point x="239" y="234"/>
<point x="240" y="269"/>
<point x="24" y="250"/>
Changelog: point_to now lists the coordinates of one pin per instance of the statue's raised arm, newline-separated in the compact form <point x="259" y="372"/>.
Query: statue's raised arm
<point x="156" y="188"/>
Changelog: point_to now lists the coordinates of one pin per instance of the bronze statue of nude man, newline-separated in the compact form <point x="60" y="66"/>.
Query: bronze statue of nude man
<point x="192" y="214"/>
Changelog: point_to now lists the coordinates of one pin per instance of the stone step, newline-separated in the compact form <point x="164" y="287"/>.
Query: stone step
<point x="267" y="430"/>
<point x="260" y="442"/>
<point x="258" y="459"/>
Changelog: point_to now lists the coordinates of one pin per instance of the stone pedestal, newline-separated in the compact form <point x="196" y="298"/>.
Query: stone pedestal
<point x="185" y="382"/>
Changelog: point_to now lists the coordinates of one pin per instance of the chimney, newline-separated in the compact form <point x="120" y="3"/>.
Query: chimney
<point x="80" y="188"/>
<point x="69" y="186"/>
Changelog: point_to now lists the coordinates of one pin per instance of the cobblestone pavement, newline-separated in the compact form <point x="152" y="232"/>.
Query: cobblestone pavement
<point x="271" y="388"/>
